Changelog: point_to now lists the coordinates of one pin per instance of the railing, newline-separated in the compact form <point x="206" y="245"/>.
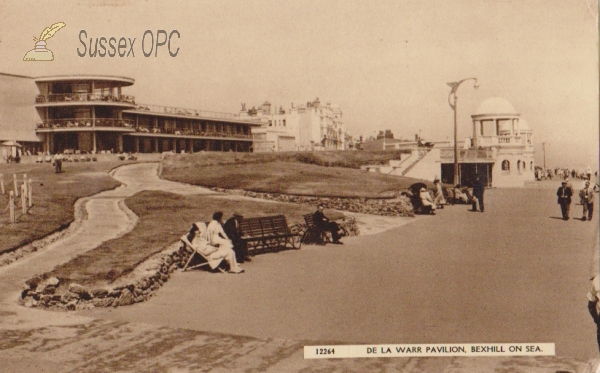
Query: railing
<point x="190" y="112"/>
<point x="86" y="122"/>
<point x="498" y="140"/>
<point x="179" y="132"/>
<point x="74" y="97"/>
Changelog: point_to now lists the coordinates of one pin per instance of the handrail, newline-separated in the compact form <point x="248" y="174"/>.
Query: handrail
<point x="86" y="122"/>
<point x="74" y="97"/>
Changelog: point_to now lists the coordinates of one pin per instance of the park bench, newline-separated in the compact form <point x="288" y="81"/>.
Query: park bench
<point x="268" y="233"/>
<point x="314" y="234"/>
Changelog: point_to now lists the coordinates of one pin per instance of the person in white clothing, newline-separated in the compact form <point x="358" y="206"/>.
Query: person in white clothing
<point x="197" y="239"/>
<point x="426" y="200"/>
<point x="216" y="237"/>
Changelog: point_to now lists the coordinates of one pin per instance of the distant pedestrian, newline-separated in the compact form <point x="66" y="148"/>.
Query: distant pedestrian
<point x="439" y="199"/>
<point x="57" y="161"/>
<point x="587" y="200"/>
<point x="478" y="190"/>
<point x="594" y="305"/>
<point x="564" y="195"/>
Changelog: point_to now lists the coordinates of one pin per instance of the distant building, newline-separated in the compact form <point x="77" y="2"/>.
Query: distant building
<point x="500" y="150"/>
<point x="305" y="127"/>
<point x="90" y="113"/>
<point x="18" y="116"/>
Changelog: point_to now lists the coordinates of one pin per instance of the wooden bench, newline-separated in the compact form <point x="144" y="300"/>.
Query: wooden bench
<point x="313" y="233"/>
<point x="268" y="233"/>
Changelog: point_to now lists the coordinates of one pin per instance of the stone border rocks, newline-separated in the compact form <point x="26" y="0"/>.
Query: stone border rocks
<point x="398" y="206"/>
<point x="135" y="287"/>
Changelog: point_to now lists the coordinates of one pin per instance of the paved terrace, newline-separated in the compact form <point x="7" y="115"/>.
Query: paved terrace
<point x="514" y="274"/>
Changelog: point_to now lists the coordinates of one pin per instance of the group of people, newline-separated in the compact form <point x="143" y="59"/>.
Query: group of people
<point x="460" y="195"/>
<point x="220" y="241"/>
<point x="217" y="241"/>
<point x="565" y="194"/>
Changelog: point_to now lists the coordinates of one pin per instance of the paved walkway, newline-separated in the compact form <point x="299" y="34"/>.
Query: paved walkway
<point x="270" y="312"/>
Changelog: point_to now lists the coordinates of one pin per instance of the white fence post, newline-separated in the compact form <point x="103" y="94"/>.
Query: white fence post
<point x="30" y="192"/>
<point x="16" y="185"/>
<point x="24" y="199"/>
<point x="25" y="183"/>
<point x="2" y="184"/>
<point x="11" y="204"/>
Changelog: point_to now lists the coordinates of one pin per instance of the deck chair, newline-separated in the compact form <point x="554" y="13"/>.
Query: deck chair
<point x="197" y="255"/>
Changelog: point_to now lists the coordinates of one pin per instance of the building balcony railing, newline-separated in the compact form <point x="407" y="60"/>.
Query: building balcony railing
<point x="500" y="140"/>
<point x="85" y="97"/>
<point x="86" y="122"/>
<point x="183" y="132"/>
<point x="191" y="112"/>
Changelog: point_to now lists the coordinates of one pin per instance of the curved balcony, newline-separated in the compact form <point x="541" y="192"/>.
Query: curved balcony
<point x="86" y="123"/>
<point x="84" y="98"/>
<point x="195" y="133"/>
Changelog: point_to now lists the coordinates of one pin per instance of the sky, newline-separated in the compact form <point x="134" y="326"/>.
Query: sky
<point x="385" y="63"/>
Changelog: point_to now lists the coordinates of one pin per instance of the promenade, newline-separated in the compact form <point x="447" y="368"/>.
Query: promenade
<point x="516" y="273"/>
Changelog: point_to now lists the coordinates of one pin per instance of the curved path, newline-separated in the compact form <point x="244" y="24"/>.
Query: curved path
<point x="456" y="277"/>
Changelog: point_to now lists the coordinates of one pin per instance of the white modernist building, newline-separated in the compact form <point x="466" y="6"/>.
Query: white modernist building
<point x="499" y="150"/>
<point x="305" y="127"/>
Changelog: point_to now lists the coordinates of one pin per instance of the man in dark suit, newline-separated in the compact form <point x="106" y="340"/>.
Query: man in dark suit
<point x="234" y="231"/>
<point x="324" y="224"/>
<point x="564" y="194"/>
<point x="478" y="189"/>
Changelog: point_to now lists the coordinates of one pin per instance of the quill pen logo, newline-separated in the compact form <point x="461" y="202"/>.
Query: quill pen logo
<point x="40" y="53"/>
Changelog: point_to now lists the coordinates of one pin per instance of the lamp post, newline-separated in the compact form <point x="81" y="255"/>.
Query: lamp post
<point x="544" y="150"/>
<point x="452" y="98"/>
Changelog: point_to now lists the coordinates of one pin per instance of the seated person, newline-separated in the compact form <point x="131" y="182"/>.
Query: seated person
<point x="323" y="223"/>
<point x="460" y="195"/>
<point x="234" y="231"/>
<point x="439" y="199"/>
<point x="197" y="239"/>
<point x="217" y="237"/>
<point x="426" y="200"/>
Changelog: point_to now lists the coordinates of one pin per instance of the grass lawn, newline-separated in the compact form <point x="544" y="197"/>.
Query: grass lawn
<point x="284" y="174"/>
<point x="53" y="197"/>
<point x="163" y="218"/>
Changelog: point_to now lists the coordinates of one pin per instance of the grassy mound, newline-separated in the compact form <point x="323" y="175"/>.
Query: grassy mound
<point x="294" y="173"/>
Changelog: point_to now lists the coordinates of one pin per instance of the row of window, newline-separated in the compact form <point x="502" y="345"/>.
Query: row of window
<point x="521" y="165"/>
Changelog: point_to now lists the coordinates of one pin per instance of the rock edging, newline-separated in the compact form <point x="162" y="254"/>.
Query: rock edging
<point x="137" y="286"/>
<point x="399" y="206"/>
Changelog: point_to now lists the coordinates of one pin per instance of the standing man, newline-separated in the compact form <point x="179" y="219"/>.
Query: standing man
<point x="233" y="230"/>
<point x="587" y="200"/>
<point x="564" y="194"/>
<point x="478" y="190"/>
<point x="58" y="159"/>
<point x="323" y="223"/>
<point x="594" y="305"/>
<point x="439" y="199"/>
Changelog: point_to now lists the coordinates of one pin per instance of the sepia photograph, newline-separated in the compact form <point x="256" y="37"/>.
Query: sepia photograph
<point x="299" y="186"/>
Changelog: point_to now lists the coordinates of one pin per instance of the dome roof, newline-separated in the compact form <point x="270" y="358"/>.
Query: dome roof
<point x="495" y="105"/>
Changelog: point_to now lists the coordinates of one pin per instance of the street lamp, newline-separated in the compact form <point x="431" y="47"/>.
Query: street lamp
<point x="452" y="98"/>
